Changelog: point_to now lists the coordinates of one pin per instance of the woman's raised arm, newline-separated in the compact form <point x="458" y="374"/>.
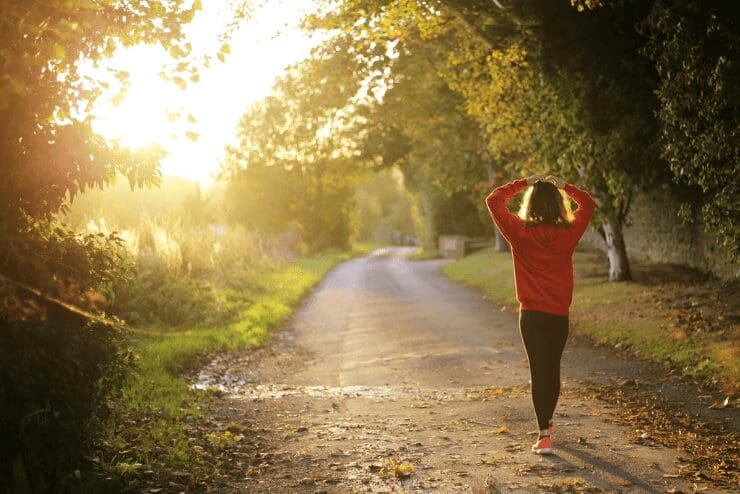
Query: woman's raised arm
<point x="582" y="215"/>
<point x="508" y="224"/>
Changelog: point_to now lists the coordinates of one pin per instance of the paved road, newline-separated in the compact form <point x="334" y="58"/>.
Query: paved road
<point x="389" y="366"/>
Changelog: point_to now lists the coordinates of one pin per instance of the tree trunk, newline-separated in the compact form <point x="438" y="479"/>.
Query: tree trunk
<point x="619" y="266"/>
<point x="501" y="244"/>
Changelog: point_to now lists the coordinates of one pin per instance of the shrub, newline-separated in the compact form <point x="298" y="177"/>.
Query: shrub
<point x="183" y="273"/>
<point x="59" y="376"/>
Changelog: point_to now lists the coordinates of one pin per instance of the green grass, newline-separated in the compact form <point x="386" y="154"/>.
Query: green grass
<point x="164" y="356"/>
<point x="423" y="254"/>
<point x="627" y="313"/>
<point x="491" y="271"/>
<point x="154" y="424"/>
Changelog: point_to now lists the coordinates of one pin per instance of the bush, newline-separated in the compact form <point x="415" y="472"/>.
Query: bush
<point x="182" y="272"/>
<point x="59" y="376"/>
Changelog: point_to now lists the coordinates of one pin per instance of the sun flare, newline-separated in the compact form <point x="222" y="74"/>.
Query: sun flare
<point x="141" y="117"/>
<point x="193" y="125"/>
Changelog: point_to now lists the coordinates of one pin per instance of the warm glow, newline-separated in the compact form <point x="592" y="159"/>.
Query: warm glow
<point x="141" y="117"/>
<point x="155" y="111"/>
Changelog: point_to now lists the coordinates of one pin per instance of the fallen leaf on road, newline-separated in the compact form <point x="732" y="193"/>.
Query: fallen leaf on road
<point x="394" y="468"/>
<point x="720" y="405"/>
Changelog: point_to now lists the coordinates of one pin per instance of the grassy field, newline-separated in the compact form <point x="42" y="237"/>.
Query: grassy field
<point x="669" y="314"/>
<point x="159" y="413"/>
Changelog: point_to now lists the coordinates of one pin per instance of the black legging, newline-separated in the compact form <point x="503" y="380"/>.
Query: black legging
<point x="544" y="337"/>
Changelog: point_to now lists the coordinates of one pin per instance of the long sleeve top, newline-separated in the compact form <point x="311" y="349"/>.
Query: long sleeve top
<point x="543" y="254"/>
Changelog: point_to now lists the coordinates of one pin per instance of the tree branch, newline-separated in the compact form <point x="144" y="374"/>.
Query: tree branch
<point x="478" y="32"/>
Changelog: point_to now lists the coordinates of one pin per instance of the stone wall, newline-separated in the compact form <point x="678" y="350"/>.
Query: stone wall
<point x="655" y="232"/>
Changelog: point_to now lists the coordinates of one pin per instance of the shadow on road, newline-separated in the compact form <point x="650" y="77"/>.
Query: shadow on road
<point x="598" y="464"/>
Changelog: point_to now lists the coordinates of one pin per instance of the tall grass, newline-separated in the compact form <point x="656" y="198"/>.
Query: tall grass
<point x="186" y="274"/>
<point x="194" y="291"/>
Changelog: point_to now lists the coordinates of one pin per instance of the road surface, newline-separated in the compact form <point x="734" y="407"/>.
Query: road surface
<point x="391" y="378"/>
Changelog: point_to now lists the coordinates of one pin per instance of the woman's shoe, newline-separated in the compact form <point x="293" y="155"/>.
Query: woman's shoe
<point x="543" y="446"/>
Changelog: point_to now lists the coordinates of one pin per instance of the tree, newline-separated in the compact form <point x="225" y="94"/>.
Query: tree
<point x="61" y="364"/>
<point x="695" y="46"/>
<point x="552" y="88"/>
<point x="442" y="159"/>
<point x="383" y="209"/>
<point x="295" y="162"/>
<point x="48" y="151"/>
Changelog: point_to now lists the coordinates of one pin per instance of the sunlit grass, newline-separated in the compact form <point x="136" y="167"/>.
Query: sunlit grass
<point x="159" y="396"/>
<point x="165" y="356"/>
<point x="489" y="270"/>
<point x="423" y="254"/>
<point x="615" y="313"/>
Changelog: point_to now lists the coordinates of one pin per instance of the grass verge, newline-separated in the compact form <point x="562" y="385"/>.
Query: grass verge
<point x="423" y="254"/>
<point x="157" y="435"/>
<point x="670" y="314"/>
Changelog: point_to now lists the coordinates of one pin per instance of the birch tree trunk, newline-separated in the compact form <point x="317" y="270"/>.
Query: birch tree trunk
<point x="616" y="252"/>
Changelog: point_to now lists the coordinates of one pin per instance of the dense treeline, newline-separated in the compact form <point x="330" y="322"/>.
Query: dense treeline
<point x="619" y="96"/>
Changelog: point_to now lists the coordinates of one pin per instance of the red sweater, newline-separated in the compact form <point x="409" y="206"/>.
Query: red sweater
<point x="543" y="255"/>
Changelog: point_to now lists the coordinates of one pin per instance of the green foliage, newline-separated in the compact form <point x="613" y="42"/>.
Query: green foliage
<point x="58" y="369"/>
<point x="51" y="258"/>
<point x="441" y="158"/>
<point x="59" y="377"/>
<point x="184" y="274"/>
<point x="184" y="266"/>
<point x="177" y="275"/>
<point x="295" y="163"/>
<point x="50" y="151"/>
<point x="568" y="93"/>
<point x="443" y="212"/>
<point x="158" y="398"/>
<point x="558" y="89"/>
<point x="384" y="209"/>
<point x="696" y="47"/>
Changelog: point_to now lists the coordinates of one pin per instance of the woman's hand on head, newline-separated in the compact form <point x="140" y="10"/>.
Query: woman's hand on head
<point x="556" y="181"/>
<point x="534" y="179"/>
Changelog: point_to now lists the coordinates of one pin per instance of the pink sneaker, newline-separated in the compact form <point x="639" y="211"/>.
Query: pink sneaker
<point x="543" y="446"/>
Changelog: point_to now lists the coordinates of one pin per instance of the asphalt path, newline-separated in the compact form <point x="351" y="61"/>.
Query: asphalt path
<point x="391" y="378"/>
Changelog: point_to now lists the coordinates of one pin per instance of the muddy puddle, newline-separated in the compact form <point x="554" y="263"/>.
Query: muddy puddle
<point x="234" y="381"/>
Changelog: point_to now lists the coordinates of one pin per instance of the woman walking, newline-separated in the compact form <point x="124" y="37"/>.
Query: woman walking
<point x="543" y="237"/>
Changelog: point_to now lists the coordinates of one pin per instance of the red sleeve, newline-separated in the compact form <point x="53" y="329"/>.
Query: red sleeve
<point x="509" y="224"/>
<point x="586" y="206"/>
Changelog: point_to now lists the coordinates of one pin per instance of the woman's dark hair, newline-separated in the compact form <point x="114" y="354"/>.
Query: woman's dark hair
<point x="545" y="204"/>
